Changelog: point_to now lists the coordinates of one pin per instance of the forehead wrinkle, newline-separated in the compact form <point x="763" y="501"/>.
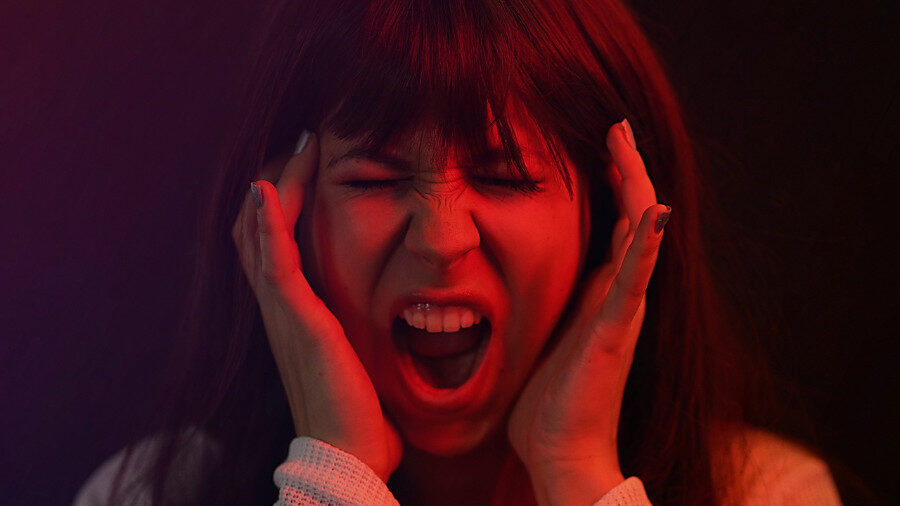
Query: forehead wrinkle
<point x="445" y="198"/>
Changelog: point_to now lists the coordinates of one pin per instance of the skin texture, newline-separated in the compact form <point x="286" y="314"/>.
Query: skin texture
<point x="444" y="231"/>
<point x="564" y="426"/>
<point x="441" y="228"/>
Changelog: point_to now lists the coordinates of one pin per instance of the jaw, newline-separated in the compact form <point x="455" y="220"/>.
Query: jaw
<point x="451" y="438"/>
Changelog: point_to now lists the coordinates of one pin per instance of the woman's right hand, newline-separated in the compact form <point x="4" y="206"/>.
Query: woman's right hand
<point x="329" y="392"/>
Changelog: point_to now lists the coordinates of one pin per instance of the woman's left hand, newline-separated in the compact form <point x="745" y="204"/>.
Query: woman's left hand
<point x="564" y="425"/>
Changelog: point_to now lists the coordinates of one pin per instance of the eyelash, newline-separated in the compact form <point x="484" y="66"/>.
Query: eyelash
<point x="525" y="187"/>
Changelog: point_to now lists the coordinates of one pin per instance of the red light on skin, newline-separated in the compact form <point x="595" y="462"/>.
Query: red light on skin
<point x="516" y="248"/>
<point x="441" y="228"/>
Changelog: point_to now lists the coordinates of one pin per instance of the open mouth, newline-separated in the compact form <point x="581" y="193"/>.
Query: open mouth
<point x="443" y="360"/>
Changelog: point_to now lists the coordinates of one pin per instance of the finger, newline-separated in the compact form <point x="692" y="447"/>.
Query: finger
<point x="614" y="178"/>
<point x="244" y="235"/>
<point x="630" y="285"/>
<point x="298" y="174"/>
<point x="621" y="238"/>
<point x="636" y="190"/>
<point x="597" y="282"/>
<point x="279" y="258"/>
<point x="624" y="228"/>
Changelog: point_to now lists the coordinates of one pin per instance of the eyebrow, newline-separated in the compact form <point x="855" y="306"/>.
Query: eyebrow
<point x="397" y="164"/>
<point x="392" y="162"/>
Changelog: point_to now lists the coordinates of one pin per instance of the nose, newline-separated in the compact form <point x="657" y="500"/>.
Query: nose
<point x="441" y="231"/>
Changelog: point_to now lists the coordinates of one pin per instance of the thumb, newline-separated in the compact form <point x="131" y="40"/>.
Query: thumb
<point x="279" y="257"/>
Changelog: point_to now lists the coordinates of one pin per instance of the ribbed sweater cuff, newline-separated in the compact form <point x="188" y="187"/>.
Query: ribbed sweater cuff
<point x="317" y="473"/>
<point x="628" y="493"/>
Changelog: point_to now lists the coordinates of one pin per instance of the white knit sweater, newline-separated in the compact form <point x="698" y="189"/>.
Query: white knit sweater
<point x="315" y="473"/>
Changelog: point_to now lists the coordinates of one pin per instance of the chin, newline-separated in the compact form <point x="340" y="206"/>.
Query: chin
<point x="447" y="440"/>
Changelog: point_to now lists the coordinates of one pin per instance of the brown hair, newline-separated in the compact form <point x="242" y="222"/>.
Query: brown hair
<point x="384" y="65"/>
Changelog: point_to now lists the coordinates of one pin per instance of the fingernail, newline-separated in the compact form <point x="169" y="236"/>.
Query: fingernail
<point x="628" y="133"/>
<point x="257" y="195"/>
<point x="304" y="138"/>
<point x="662" y="219"/>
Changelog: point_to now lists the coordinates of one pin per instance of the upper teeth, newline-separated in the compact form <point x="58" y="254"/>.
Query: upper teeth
<point x="440" y="318"/>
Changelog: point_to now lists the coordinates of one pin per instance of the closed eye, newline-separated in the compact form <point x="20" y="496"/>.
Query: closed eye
<point x="374" y="184"/>
<point x="519" y="185"/>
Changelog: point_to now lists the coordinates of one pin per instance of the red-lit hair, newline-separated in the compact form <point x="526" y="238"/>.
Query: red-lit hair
<point x="578" y="67"/>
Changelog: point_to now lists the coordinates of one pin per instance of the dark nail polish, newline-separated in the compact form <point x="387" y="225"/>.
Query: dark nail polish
<point x="662" y="220"/>
<point x="257" y="195"/>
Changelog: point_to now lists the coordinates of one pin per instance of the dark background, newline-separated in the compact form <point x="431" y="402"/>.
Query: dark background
<point x="112" y="116"/>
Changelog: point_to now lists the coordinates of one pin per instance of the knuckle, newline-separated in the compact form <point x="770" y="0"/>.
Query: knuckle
<point x="633" y="291"/>
<point x="605" y="332"/>
<point x="629" y="289"/>
<point x="648" y="254"/>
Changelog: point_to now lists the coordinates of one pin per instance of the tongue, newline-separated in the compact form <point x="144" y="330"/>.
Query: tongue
<point x="451" y="372"/>
<point x="443" y="359"/>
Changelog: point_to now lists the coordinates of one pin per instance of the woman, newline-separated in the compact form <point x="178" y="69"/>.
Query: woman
<point x="441" y="294"/>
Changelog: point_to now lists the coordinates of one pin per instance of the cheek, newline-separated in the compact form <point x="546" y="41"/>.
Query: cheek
<point x="351" y="240"/>
<point x="535" y="243"/>
<point x="540" y="252"/>
<point x="539" y="243"/>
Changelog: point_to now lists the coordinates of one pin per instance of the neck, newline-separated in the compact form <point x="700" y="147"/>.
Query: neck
<point x="489" y="474"/>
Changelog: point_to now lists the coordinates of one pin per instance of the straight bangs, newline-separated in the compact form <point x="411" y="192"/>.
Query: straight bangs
<point x="379" y="70"/>
<point x="453" y="70"/>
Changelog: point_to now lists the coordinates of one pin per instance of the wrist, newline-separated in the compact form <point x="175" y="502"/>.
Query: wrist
<point x="576" y="483"/>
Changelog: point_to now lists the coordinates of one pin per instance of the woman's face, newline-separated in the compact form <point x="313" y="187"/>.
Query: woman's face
<point x="439" y="230"/>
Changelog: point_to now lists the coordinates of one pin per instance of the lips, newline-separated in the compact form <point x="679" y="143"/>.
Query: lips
<point x="443" y="359"/>
<point x="454" y="383"/>
<point x="459" y="376"/>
